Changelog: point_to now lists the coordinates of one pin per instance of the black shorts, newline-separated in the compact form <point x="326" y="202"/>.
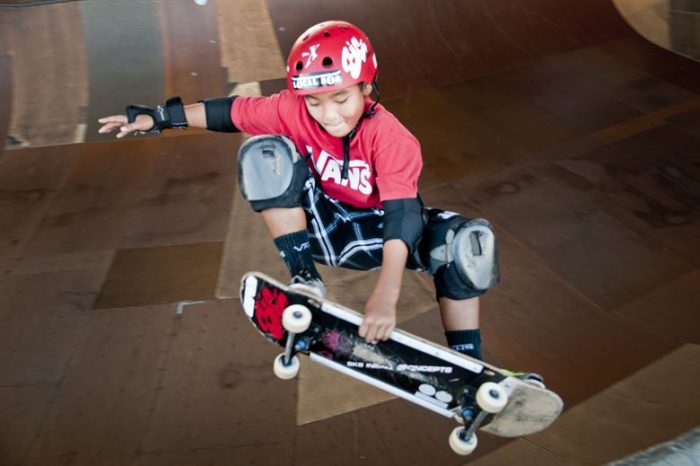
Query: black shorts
<point x="345" y="236"/>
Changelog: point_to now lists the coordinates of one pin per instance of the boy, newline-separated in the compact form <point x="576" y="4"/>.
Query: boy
<point x="334" y="176"/>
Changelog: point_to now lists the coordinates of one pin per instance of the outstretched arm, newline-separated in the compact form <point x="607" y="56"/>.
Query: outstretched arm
<point x="194" y="113"/>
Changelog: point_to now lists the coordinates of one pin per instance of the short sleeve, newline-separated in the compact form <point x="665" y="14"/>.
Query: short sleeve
<point x="260" y="115"/>
<point x="397" y="168"/>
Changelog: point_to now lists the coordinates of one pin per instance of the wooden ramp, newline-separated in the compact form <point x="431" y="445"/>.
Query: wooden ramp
<point x="576" y="137"/>
<point x="658" y="403"/>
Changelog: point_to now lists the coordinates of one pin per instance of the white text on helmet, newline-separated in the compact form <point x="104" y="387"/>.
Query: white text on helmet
<point x="316" y="80"/>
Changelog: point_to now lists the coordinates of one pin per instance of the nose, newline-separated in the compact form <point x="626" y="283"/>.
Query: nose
<point x="330" y="115"/>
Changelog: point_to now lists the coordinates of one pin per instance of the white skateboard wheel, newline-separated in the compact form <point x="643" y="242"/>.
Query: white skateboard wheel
<point x="462" y="446"/>
<point x="296" y="318"/>
<point x="491" y="397"/>
<point x="283" y="371"/>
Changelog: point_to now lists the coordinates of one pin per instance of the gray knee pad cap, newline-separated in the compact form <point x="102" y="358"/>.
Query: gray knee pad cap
<point x="476" y="254"/>
<point x="271" y="173"/>
<point x="470" y="252"/>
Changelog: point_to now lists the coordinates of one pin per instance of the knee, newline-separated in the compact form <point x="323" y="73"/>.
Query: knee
<point x="449" y="283"/>
<point x="271" y="172"/>
<point x="463" y="257"/>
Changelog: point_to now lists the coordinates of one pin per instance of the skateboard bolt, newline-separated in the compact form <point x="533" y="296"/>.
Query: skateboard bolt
<point x="301" y="345"/>
<point x="495" y="394"/>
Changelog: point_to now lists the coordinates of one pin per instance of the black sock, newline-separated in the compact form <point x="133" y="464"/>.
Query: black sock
<point x="465" y="341"/>
<point x="295" y="249"/>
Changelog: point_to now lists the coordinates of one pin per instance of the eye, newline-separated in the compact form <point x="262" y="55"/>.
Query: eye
<point x="341" y="101"/>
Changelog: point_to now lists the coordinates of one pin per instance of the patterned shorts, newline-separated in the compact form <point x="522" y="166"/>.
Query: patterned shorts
<point x="342" y="235"/>
<point x="345" y="236"/>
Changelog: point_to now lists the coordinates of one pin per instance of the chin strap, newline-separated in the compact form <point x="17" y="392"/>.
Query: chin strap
<point x="346" y="139"/>
<point x="346" y="151"/>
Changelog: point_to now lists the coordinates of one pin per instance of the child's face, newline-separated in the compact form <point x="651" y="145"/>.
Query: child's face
<point x="338" y="111"/>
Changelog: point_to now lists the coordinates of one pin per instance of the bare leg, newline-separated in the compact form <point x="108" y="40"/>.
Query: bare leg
<point x="282" y="221"/>
<point x="460" y="314"/>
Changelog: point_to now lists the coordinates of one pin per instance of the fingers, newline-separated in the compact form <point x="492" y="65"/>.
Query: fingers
<point x="385" y="332"/>
<point x="113" y="122"/>
<point x="374" y="332"/>
<point x="128" y="129"/>
<point x="108" y="128"/>
<point x="114" y="119"/>
<point x="379" y="320"/>
<point x="121" y="123"/>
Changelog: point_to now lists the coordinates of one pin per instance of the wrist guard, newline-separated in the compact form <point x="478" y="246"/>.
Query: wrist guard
<point x="171" y="114"/>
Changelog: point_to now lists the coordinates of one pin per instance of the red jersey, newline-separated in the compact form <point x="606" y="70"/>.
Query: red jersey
<point x="385" y="158"/>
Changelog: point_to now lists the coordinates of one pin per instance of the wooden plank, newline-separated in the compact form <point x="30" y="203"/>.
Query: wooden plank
<point x="248" y="43"/>
<point x="166" y="274"/>
<point x="49" y="76"/>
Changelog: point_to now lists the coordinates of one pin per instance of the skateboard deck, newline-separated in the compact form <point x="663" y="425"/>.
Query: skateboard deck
<point x="420" y="371"/>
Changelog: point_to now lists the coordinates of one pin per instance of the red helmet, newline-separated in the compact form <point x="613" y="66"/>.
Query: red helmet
<point x="330" y="55"/>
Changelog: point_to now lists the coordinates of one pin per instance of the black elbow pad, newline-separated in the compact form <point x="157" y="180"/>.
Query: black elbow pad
<point x="403" y="219"/>
<point x="218" y="113"/>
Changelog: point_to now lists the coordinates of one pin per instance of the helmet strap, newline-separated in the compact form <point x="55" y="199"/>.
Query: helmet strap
<point x="346" y="139"/>
<point x="346" y="156"/>
<point x="375" y="88"/>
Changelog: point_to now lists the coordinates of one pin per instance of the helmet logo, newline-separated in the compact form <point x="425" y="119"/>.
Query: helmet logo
<point x="311" y="54"/>
<point x="316" y="80"/>
<point x="354" y="55"/>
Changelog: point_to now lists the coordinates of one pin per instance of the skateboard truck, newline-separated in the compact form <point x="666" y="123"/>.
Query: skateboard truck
<point x="490" y="399"/>
<point x="296" y="319"/>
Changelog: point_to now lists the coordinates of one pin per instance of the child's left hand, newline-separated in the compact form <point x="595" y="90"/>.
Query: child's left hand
<point x="380" y="318"/>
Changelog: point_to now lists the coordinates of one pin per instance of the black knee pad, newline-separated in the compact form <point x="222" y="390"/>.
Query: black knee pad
<point x="449" y="283"/>
<point x="461" y="254"/>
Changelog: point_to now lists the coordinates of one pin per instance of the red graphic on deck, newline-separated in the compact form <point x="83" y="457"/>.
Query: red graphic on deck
<point x="269" y="306"/>
<point x="340" y="343"/>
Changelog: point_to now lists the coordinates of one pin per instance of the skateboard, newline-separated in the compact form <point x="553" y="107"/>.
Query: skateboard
<point x="476" y="394"/>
